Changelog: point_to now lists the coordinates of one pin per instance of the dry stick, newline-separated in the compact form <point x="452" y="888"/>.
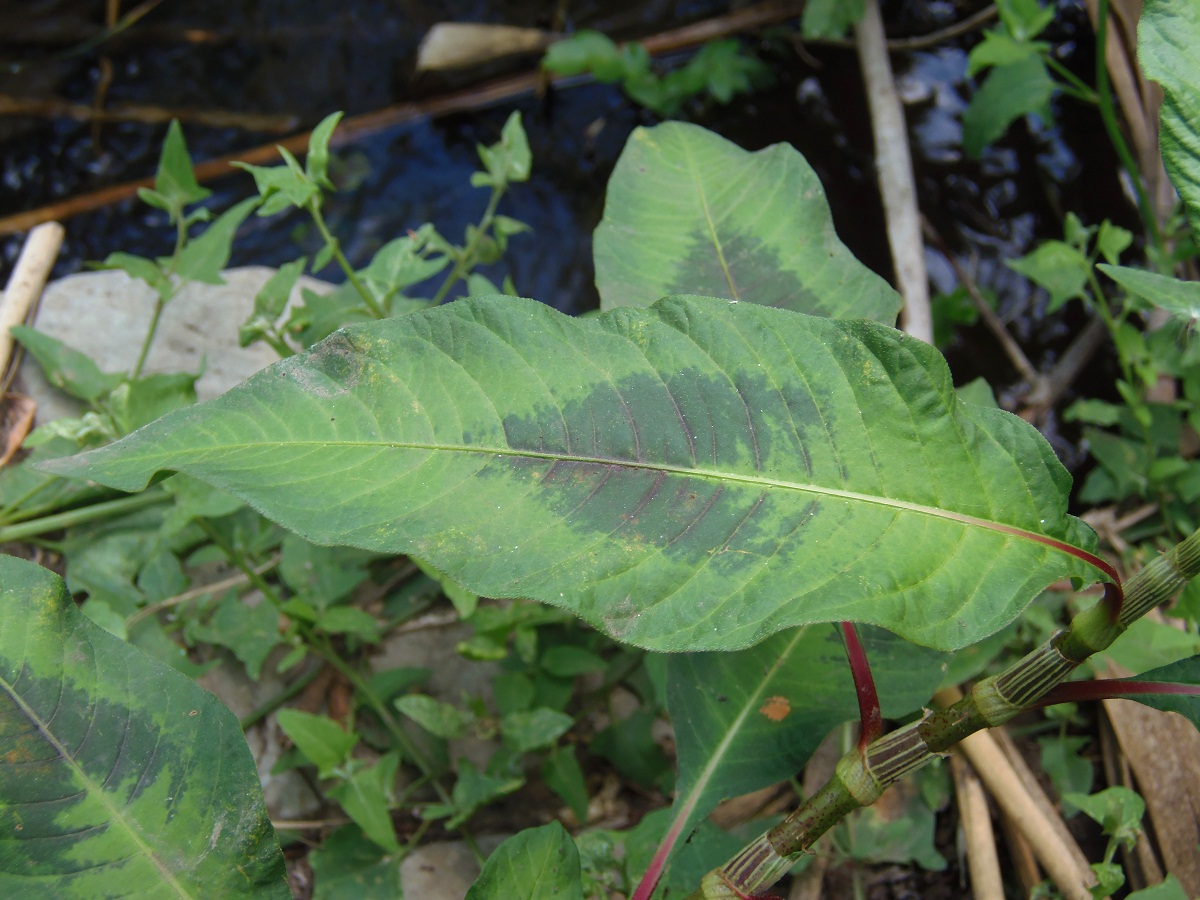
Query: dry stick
<point x="1020" y="854"/>
<point x="204" y="590"/>
<point x="1010" y="795"/>
<point x="862" y="777"/>
<point x="152" y="115"/>
<point x="982" y="860"/>
<point x="994" y="323"/>
<point x="893" y="163"/>
<point x="921" y="41"/>
<point x="1034" y="789"/>
<point x="355" y="127"/>
<point x="1018" y="778"/>
<point x="26" y="284"/>
<point x="1054" y="384"/>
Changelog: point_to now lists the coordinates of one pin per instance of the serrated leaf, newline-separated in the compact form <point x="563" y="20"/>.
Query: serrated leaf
<point x="536" y="864"/>
<point x="697" y="475"/>
<point x="1168" y="35"/>
<point x="690" y="213"/>
<point x="121" y="777"/>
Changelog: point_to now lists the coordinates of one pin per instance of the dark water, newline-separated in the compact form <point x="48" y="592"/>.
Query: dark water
<point x="356" y="55"/>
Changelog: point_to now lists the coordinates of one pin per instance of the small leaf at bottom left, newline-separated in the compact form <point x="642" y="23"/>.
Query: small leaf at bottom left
<point x="120" y="775"/>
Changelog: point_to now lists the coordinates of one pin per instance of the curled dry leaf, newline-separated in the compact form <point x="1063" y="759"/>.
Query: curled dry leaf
<point x="16" y="421"/>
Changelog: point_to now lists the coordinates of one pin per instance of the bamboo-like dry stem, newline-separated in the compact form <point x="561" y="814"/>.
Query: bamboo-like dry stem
<point x="861" y="777"/>
<point x="893" y="163"/>
<point x="983" y="862"/>
<point x="1006" y="789"/>
<point x="26" y="282"/>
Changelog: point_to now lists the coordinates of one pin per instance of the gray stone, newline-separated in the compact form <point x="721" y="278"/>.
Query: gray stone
<point x="106" y="314"/>
<point x="442" y="871"/>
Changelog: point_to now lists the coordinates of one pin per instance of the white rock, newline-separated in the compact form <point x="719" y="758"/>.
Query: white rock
<point x="106" y="314"/>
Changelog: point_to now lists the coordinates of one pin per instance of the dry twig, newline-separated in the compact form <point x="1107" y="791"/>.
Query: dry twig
<point x="893" y="163"/>
<point x="467" y="100"/>
<point x="982" y="859"/>
<point x="25" y="286"/>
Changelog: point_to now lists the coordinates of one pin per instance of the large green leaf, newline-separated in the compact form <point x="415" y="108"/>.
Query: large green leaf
<point x="697" y="475"/>
<point x="687" y="212"/>
<point x="120" y="776"/>
<point x="1168" y="38"/>
<point x="748" y="719"/>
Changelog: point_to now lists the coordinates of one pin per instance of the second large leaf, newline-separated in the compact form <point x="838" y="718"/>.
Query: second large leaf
<point x="687" y="212"/>
<point x="695" y="475"/>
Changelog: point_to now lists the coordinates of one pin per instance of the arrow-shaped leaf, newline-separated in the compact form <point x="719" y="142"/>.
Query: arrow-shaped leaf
<point x="696" y="475"/>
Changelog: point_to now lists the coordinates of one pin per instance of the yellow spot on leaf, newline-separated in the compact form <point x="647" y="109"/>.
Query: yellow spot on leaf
<point x="776" y="708"/>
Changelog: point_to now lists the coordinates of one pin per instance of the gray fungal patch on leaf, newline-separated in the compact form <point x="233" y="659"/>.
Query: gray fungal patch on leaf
<point x="331" y="369"/>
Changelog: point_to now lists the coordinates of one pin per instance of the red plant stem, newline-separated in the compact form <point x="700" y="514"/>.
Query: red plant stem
<point x="1110" y="688"/>
<point x="864" y="686"/>
<point x="650" y="880"/>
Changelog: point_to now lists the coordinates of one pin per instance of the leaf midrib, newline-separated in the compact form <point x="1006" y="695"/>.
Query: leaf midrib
<point x="709" y="222"/>
<point x="716" y="475"/>
<point x="115" y="813"/>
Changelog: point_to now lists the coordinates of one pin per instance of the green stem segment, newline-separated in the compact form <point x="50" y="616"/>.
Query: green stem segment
<point x="335" y="247"/>
<point x="121" y="506"/>
<point x="465" y="262"/>
<point x="862" y="776"/>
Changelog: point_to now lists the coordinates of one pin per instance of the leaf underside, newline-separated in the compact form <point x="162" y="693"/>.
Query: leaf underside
<point x="696" y="475"/>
